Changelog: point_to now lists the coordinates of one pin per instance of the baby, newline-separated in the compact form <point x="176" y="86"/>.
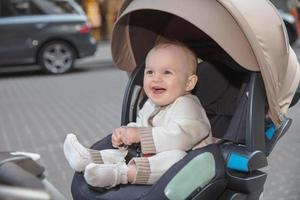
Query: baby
<point x="171" y="122"/>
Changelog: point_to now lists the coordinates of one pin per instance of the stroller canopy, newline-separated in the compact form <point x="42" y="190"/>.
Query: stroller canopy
<point x="250" y="32"/>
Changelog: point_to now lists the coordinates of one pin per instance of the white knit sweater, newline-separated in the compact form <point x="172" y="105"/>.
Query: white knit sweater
<point x="182" y="125"/>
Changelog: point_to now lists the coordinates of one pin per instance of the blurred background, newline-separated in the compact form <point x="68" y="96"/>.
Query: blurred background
<point x="102" y="15"/>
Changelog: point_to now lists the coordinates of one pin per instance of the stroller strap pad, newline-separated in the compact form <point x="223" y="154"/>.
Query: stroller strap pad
<point x="196" y="174"/>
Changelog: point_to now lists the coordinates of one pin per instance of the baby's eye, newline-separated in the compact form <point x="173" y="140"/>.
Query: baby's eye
<point x="149" y="72"/>
<point x="167" y="72"/>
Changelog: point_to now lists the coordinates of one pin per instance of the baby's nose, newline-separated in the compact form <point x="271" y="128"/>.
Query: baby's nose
<point x="157" y="77"/>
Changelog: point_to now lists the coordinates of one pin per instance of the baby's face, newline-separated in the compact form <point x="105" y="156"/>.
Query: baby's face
<point x="166" y="75"/>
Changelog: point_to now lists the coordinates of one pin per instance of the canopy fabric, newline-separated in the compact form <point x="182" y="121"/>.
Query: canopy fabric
<point x="250" y="32"/>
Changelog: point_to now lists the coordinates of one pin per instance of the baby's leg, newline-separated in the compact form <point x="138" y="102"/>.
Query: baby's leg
<point x="79" y="157"/>
<point x="150" y="169"/>
<point x="137" y="172"/>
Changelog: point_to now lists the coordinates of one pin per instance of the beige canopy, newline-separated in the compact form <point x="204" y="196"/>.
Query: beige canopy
<point x="251" y="32"/>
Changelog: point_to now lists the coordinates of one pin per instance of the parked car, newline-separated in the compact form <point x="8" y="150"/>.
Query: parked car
<point x="51" y="33"/>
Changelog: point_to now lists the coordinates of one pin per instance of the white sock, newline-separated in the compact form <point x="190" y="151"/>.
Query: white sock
<point x="106" y="175"/>
<point x="77" y="155"/>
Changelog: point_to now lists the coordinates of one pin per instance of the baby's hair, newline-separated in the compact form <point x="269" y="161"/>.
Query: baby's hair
<point x="191" y="56"/>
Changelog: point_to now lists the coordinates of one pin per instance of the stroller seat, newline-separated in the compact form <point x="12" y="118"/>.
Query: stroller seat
<point x="81" y="190"/>
<point x="226" y="101"/>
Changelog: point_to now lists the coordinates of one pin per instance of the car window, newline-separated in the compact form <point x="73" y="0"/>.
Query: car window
<point x="56" y="6"/>
<point x="18" y="8"/>
<point x="37" y="7"/>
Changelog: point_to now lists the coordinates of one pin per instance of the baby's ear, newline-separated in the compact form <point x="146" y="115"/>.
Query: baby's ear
<point x="191" y="83"/>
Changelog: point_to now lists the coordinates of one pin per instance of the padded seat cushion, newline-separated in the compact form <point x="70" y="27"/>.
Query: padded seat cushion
<point x="212" y="78"/>
<point x="80" y="190"/>
<point x="218" y="89"/>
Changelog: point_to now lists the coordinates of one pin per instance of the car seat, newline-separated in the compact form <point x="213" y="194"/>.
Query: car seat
<point x="235" y="102"/>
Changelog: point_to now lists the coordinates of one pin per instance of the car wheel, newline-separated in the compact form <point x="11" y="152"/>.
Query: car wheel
<point x="56" y="57"/>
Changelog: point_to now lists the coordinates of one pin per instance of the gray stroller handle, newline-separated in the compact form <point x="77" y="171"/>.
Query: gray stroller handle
<point x="20" y="184"/>
<point x="29" y="183"/>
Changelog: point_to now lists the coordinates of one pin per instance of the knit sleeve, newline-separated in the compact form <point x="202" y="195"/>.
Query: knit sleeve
<point x="147" y="142"/>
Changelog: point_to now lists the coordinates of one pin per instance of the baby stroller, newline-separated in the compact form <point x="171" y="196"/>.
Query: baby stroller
<point x="248" y="79"/>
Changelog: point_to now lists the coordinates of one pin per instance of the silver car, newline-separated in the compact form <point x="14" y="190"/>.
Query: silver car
<point x="51" y="33"/>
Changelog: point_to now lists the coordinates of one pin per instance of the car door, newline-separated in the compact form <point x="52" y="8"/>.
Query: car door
<point x="17" y="28"/>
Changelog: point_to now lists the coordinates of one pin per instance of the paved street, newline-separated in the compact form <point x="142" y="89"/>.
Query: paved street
<point x="38" y="110"/>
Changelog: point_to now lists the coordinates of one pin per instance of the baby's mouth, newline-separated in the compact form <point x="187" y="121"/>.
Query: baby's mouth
<point x="158" y="90"/>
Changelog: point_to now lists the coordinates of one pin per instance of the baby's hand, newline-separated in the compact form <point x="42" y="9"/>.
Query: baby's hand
<point x="116" y="138"/>
<point x="130" y="136"/>
<point x="125" y="136"/>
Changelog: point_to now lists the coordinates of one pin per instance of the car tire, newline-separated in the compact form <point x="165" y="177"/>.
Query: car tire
<point x="56" y="57"/>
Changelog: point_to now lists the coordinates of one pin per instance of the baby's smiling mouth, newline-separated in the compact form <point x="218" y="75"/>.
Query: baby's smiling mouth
<point x="158" y="90"/>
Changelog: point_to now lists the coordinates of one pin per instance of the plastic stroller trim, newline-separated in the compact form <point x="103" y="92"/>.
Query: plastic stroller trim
<point x="13" y="174"/>
<point x="255" y="127"/>
<point x="24" y="179"/>
<point x="246" y="182"/>
<point x="130" y="96"/>
<point x="199" y="171"/>
<point x="273" y="134"/>
<point x="8" y="157"/>
<point x="238" y="162"/>
<point x="26" y="162"/>
<point x="270" y="132"/>
<point x="10" y="192"/>
<point x="239" y="159"/>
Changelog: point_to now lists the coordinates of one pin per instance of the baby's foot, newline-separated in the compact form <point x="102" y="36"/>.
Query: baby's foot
<point x="77" y="155"/>
<point x="106" y="175"/>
